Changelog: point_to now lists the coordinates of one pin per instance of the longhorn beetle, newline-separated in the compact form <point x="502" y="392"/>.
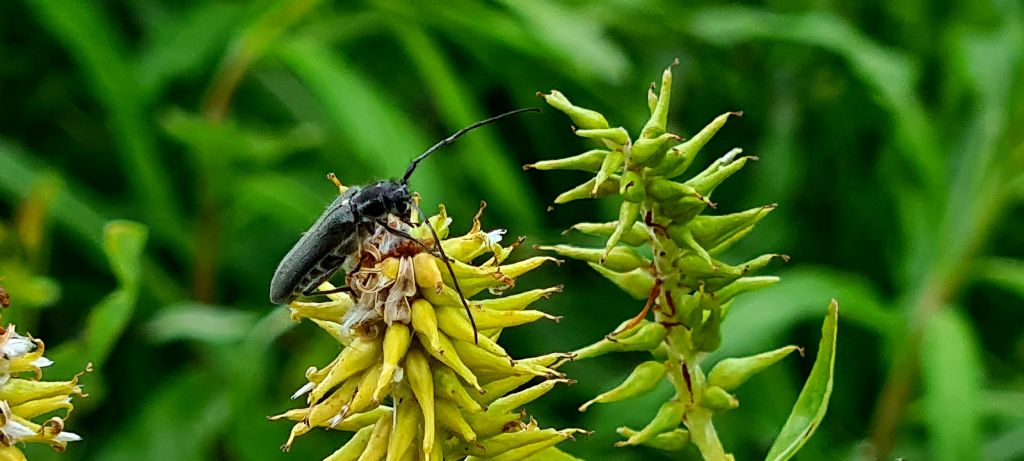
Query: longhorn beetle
<point x="335" y="241"/>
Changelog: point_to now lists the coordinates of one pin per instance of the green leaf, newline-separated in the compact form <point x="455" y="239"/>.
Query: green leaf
<point x="1004" y="273"/>
<point x="92" y="40"/>
<point x="123" y="242"/>
<point x="200" y="322"/>
<point x="813" y="400"/>
<point x="951" y="373"/>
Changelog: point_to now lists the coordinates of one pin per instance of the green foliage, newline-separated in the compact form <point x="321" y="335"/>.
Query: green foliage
<point x="886" y="132"/>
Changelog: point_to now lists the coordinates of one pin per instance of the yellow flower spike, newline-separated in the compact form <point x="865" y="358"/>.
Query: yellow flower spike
<point x="396" y="342"/>
<point x="417" y="370"/>
<point x="355" y="358"/>
<point x="450" y="418"/>
<point x="377" y="446"/>
<point x="406" y="423"/>
<point x="355" y="446"/>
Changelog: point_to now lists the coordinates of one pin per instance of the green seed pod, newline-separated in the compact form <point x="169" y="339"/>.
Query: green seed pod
<point x="743" y="285"/>
<point x="644" y="377"/>
<point x="647" y="337"/>
<point x="585" y="190"/>
<point x="707" y="180"/>
<point x="664" y="190"/>
<point x="610" y="165"/>
<point x="634" y="236"/>
<point x="583" y="118"/>
<point x="679" y="304"/>
<point x="631" y="186"/>
<point x="731" y="373"/>
<point x="620" y="259"/>
<point x="679" y="158"/>
<point x="668" y="418"/>
<point x="589" y="161"/>
<point x="637" y="282"/>
<point x="683" y="210"/>
<point x="629" y="212"/>
<point x="682" y="236"/>
<point x="717" y="399"/>
<point x="659" y="114"/>
<point x="718" y="276"/>
<point x="615" y="136"/>
<point x="650" y="152"/>
<point x="671" y="441"/>
<point x="711" y="231"/>
<point x="709" y="336"/>
<point x="652" y="98"/>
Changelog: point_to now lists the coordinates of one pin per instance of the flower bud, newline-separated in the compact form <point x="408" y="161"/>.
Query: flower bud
<point x="717" y="399"/>
<point x="644" y="377"/>
<point x="731" y="373"/>
<point x="590" y="161"/>
<point x="583" y="118"/>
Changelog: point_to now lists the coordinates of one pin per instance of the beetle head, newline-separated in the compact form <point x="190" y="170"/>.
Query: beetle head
<point x="380" y="199"/>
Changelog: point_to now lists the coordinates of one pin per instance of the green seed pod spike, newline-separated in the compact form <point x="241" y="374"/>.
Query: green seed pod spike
<point x="644" y="377"/>
<point x="659" y="115"/>
<point x="583" y="118"/>
<point x="589" y="161"/>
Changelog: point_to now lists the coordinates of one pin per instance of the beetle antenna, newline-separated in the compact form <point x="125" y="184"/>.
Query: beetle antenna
<point x="450" y="139"/>
<point x="444" y="257"/>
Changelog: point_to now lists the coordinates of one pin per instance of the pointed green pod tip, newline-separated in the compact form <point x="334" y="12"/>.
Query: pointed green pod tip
<point x="731" y="373"/>
<point x="583" y="118"/>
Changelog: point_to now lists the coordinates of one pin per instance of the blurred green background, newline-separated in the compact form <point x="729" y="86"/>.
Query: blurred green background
<point x="890" y="133"/>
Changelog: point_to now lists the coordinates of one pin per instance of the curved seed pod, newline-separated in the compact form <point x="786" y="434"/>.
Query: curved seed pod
<point x="628" y="214"/>
<point x="637" y="282"/>
<point x="681" y="235"/>
<point x="655" y="126"/>
<point x="650" y="152"/>
<point x="355" y="446"/>
<point x="396" y="342"/>
<point x="709" y="335"/>
<point x="743" y="285"/>
<point x="707" y="180"/>
<point x="668" y="418"/>
<point x="583" y="118"/>
<point x="586" y="190"/>
<point x="355" y="358"/>
<point x="631" y="186"/>
<point x="648" y="336"/>
<point x="717" y="399"/>
<point x="377" y="446"/>
<point x="674" y="440"/>
<point x="447" y="386"/>
<point x="619" y="259"/>
<point x="417" y="369"/>
<point x="644" y="377"/>
<point x="610" y="164"/>
<point x="681" y="156"/>
<point x="607" y="136"/>
<point x="525" y="451"/>
<point x="450" y="418"/>
<point x="590" y="161"/>
<point x="666" y="191"/>
<point x="731" y="373"/>
<point x="634" y="236"/>
<point x="711" y="231"/>
<point x="406" y="423"/>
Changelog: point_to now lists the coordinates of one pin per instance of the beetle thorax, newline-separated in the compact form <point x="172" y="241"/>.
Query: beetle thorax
<point x="378" y="200"/>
